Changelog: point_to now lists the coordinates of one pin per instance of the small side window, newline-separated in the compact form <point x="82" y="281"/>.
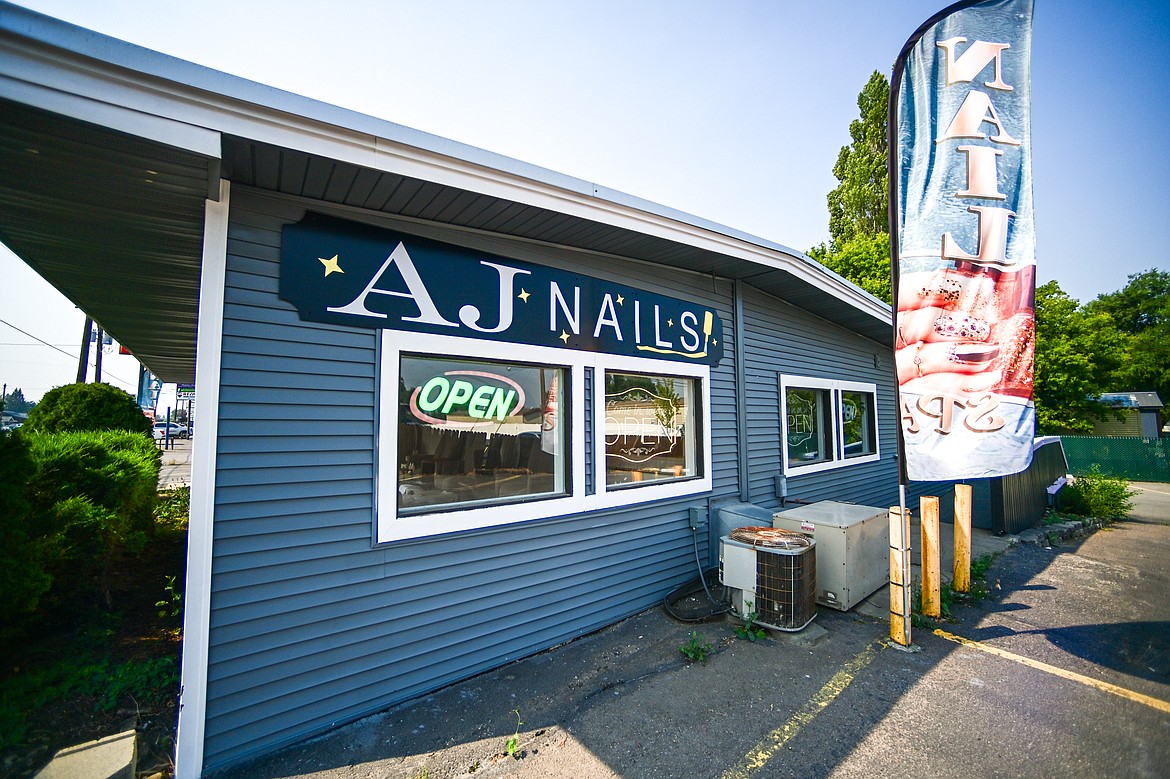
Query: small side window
<point x="827" y="423"/>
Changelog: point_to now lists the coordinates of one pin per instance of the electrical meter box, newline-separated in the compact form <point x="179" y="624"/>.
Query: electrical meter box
<point x="853" y="548"/>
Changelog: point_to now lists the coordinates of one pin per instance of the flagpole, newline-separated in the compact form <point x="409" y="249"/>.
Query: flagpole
<point x="900" y="541"/>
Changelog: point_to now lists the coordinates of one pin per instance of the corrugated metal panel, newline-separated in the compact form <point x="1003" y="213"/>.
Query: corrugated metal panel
<point x="782" y="339"/>
<point x="311" y="624"/>
<point x="1019" y="501"/>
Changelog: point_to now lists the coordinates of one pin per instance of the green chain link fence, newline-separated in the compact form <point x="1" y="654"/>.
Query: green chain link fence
<point x="1136" y="459"/>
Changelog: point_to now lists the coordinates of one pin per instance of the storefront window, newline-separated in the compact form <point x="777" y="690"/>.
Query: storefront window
<point x="827" y="423"/>
<point x="651" y="434"/>
<point x="477" y="433"/>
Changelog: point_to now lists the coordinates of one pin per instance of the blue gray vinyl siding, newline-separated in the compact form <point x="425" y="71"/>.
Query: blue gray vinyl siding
<point x="782" y="339"/>
<point x="312" y="624"/>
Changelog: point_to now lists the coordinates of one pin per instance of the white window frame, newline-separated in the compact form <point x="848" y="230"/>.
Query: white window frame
<point x="618" y="495"/>
<point x="835" y="388"/>
<point x="389" y="526"/>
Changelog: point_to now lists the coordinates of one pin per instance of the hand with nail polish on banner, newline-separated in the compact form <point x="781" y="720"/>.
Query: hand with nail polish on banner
<point x="966" y="331"/>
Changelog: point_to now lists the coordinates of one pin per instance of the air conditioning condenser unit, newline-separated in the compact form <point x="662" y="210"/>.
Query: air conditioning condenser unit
<point x="770" y="572"/>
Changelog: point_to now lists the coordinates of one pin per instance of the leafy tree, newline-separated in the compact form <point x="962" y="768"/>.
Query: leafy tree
<point x="87" y="407"/>
<point x="859" y="229"/>
<point x="15" y="402"/>
<point x="857" y="207"/>
<point x="864" y="260"/>
<point x="1142" y="310"/>
<point x="1078" y="351"/>
<point x="1143" y="304"/>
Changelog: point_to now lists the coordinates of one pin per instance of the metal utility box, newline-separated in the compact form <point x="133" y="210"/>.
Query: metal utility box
<point x="853" y="543"/>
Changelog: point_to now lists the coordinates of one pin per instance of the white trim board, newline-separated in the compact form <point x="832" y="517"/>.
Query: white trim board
<point x="197" y="591"/>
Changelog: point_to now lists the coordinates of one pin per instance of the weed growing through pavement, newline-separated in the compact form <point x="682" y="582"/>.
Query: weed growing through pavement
<point x="949" y="598"/>
<point x="749" y="630"/>
<point x="513" y="741"/>
<point x="696" y="648"/>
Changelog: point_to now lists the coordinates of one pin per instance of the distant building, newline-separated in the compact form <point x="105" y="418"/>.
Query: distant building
<point x="1140" y="415"/>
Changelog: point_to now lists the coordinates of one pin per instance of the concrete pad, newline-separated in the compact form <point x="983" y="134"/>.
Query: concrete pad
<point x="112" y="757"/>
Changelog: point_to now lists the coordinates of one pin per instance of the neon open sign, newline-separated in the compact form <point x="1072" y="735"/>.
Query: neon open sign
<point x="472" y="397"/>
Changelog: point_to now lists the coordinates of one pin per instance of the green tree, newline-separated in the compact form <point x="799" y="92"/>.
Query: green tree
<point x="859" y="228"/>
<point x="1078" y="352"/>
<point x="87" y="407"/>
<point x="864" y="260"/>
<point x="15" y="402"/>
<point x="857" y="207"/>
<point x="1141" y="310"/>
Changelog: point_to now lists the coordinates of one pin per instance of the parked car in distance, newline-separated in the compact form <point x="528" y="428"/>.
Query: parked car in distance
<point x="177" y="430"/>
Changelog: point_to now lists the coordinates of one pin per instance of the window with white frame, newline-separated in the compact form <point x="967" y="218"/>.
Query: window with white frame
<point x="651" y="429"/>
<point x="827" y="424"/>
<point x="477" y="432"/>
<point x="467" y="441"/>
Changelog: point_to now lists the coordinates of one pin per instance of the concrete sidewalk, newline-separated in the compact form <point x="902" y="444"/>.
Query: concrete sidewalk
<point x="176" y="464"/>
<point x="624" y="702"/>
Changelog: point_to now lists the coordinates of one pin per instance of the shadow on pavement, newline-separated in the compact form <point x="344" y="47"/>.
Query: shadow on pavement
<point x="623" y="702"/>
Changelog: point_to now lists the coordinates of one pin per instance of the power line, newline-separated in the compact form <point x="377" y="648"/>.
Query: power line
<point x="62" y="351"/>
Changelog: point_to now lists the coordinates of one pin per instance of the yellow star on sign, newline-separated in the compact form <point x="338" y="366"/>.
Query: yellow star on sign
<point x="670" y="323"/>
<point x="331" y="265"/>
<point x="524" y="294"/>
<point x="564" y="336"/>
<point x="621" y="300"/>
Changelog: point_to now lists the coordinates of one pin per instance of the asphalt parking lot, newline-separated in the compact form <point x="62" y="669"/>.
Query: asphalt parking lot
<point x="1065" y="671"/>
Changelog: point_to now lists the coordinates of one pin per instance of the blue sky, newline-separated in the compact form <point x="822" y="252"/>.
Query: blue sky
<point x="732" y="111"/>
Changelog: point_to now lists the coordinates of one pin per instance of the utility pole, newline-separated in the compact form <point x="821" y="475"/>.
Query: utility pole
<point x="83" y="363"/>
<point x="97" y="370"/>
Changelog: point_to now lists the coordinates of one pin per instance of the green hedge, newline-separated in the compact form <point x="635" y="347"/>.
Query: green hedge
<point x="70" y="503"/>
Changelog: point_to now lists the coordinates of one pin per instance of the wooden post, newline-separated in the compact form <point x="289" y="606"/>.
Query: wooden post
<point x="962" y="578"/>
<point x="931" y="574"/>
<point x="899" y="580"/>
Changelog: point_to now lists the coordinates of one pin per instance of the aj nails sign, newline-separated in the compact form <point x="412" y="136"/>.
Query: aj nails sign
<point x="351" y="274"/>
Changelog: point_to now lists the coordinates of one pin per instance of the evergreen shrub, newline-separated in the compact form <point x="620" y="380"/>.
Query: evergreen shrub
<point x="87" y="407"/>
<point x="90" y="496"/>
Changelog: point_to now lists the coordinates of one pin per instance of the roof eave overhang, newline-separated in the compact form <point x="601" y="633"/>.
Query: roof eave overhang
<point x="168" y="105"/>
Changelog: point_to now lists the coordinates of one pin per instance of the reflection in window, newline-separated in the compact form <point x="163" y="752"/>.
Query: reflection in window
<point x="809" y="426"/>
<point x="477" y="432"/>
<point x="651" y="433"/>
<point x="857" y="424"/>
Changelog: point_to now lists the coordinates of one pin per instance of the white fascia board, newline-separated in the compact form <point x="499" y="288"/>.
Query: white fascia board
<point x="26" y="77"/>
